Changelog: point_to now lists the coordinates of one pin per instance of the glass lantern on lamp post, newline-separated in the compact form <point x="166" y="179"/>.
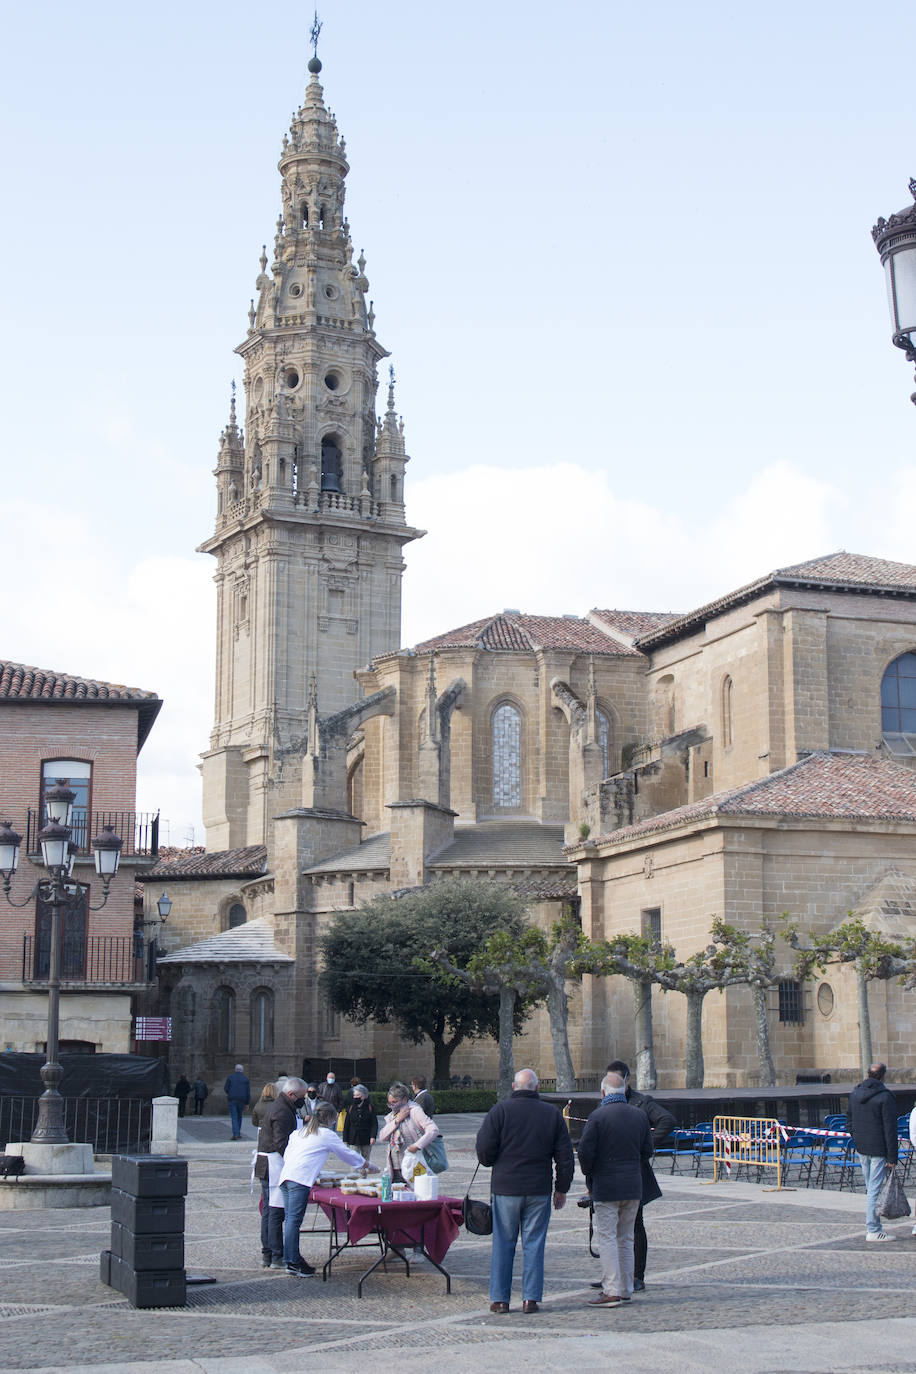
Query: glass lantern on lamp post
<point x="57" y="891"/>
<point x="895" y="240"/>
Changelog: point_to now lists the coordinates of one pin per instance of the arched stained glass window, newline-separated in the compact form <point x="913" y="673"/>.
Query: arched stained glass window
<point x="605" y="737"/>
<point x="507" y="757"/>
<point x="898" y="696"/>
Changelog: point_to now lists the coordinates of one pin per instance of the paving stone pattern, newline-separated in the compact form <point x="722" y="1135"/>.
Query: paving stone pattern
<point x="728" y="1255"/>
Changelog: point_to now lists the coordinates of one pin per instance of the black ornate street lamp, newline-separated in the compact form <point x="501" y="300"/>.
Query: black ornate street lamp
<point x="895" y="240"/>
<point x="58" y="853"/>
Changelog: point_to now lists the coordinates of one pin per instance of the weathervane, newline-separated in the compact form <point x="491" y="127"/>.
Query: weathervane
<point x="314" y="31"/>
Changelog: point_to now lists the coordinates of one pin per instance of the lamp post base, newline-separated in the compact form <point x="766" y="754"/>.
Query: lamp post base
<point x="50" y="1128"/>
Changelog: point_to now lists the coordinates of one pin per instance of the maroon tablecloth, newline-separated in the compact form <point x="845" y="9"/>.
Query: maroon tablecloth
<point x="434" y="1225"/>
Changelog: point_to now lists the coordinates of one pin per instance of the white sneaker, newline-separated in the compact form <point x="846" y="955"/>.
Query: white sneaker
<point x="878" y="1236"/>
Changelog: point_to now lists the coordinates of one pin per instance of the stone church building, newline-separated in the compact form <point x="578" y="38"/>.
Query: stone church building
<point x="752" y="756"/>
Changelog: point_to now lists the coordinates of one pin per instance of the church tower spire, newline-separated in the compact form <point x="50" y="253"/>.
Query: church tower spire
<point x="310" y="522"/>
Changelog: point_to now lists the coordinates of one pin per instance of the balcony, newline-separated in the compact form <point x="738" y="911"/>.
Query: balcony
<point x="138" y="830"/>
<point x="89" y="960"/>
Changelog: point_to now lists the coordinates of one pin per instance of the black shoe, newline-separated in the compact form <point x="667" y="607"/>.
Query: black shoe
<point x="599" y="1284"/>
<point x="639" y="1285"/>
<point x="266" y="1261"/>
<point x="303" y="1267"/>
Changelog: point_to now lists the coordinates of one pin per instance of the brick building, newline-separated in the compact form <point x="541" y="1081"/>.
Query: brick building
<point x="54" y="725"/>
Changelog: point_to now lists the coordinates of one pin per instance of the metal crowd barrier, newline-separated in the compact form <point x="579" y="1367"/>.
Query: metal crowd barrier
<point x="111" y="1125"/>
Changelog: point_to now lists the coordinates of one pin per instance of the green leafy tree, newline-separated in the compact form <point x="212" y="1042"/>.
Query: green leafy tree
<point x="518" y="970"/>
<point x="718" y="966"/>
<point x="371" y="971"/>
<point x="872" y="955"/>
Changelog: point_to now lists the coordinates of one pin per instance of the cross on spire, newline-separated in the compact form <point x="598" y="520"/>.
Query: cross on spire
<point x="314" y="32"/>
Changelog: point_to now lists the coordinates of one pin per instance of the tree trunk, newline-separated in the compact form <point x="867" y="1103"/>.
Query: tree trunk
<point x="646" y="1077"/>
<point x="442" y="1063"/>
<point x="865" y="1052"/>
<point x="695" y="1068"/>
<point x="557" y="1012"/>
<point x="767" y="1069"/>
<point x="506" y="1030"/>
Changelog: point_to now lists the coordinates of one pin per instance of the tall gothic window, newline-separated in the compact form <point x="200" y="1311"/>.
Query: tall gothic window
<point x="507" y="757"/>
<point x="605" y="736"/>
<point x="898" y="705"/>
<point x="224" y="1018"/>
<point x="331" y="460"/>
<point x="728" y="692"/>
<point x="262" y="1021"/>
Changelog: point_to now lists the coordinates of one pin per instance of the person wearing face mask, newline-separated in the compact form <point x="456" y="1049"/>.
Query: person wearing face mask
<point x="329" y="1092"/>
<point x="280" y="1121"/>
<point x="310" y="1105"/>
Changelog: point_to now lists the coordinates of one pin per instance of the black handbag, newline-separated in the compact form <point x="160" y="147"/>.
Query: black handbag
<point x="477" y="1216"/>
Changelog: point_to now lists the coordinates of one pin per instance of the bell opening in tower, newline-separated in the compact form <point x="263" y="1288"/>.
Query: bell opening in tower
<point x="330" y="463"/>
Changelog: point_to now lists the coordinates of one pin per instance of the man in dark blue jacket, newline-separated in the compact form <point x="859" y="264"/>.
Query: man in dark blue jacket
<point x="872" y="1123"/>
<point x="238" y="1093"/>
<point x="616" y="1140"/>
<point x="523" y="1140"/>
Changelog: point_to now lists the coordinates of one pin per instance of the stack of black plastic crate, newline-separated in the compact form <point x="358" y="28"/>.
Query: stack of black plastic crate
<point x="146" y="1259"/>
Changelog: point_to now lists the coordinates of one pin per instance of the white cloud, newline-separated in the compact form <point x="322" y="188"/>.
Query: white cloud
<point x="557" y="540"/>
<point x="73" y="610"/>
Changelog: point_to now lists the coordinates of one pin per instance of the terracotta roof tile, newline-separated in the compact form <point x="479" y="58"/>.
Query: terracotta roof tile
<point x="840" y="571"/>
<point x="635" y="622"/>
<point x="20" y="683"/>
<point x="248" y="862"/>
<point x="512" y="631"/>
<point x="820" y="786"/>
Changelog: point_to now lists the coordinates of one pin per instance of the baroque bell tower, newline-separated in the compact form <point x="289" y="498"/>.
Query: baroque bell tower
<point x="310" y="522"/>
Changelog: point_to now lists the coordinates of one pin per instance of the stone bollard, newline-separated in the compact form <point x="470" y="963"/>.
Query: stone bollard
<point x="165" y="1126"/>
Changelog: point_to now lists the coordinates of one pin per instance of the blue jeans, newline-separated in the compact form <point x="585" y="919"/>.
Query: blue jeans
<point x="271" y="1225"/>
<point x="874" y="1172"/>
<point x="295" y="1201"/>
<point x="511" y="1214"/>
<point x="235" y="1114"/>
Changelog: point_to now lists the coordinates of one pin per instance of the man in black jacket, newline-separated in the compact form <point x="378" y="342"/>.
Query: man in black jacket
<point x="662" y="1123"/>
<point x="523" y="1140"/>
<point x="872" y="1123"/>
<point x="279" y="1123"/>
<point x="616" y="1143"/>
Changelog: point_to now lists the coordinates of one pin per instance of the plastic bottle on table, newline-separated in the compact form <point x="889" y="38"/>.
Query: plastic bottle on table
<point x="386" y="1186"/>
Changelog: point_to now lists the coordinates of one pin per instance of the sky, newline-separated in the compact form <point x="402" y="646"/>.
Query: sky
<point x="620" y="256"/>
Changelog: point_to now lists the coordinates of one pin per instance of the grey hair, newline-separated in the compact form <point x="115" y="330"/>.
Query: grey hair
<point x="290" y="1084"/>
<point x="400" y="1090"/>
<point x="612" y="1083"/>
<point x="239" y="1068"/>
<point x="525" y="1081"/>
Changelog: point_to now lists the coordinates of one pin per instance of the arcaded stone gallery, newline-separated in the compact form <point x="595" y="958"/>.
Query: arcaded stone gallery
<point x="646" y="770"/>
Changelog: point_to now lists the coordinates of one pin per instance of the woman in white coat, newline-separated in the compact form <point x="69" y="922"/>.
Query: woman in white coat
<point x="303" y="1160"/>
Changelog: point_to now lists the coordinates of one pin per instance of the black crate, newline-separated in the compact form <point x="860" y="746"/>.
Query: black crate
<point x="145" y="1252"/>
<point x="105" y="1267"/>
<point x="150" y="1175"/>
<point x="148" y="1216"/>
<point x="149" y="1288"/>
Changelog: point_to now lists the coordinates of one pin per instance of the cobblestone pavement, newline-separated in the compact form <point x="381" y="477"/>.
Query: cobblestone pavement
<point x="777" y="1281"/>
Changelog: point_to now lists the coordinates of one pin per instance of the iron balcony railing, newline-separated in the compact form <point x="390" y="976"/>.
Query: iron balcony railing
<point x="138" y="830"/>
<point x="111" y="1125"/>
<point x="95" y="959"/>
